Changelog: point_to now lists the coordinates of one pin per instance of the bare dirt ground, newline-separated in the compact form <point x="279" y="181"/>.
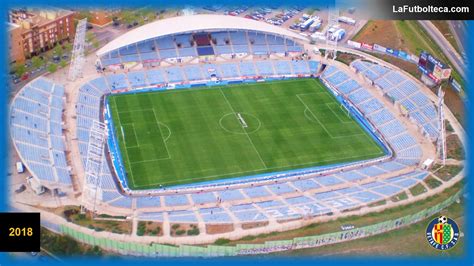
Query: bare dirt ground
<point x="153" y="228"/>
<point x="383" y="32"/>
<point x="447" y="172"/>
<point x="219" y="228"/>
<point x="177" y="231"/>
<point x="454" y="146"/>
<point x="454" y="103"/>
<point x="286" y="221"/>
<point x="346" y="58"/>
<point x="254" y="225"/>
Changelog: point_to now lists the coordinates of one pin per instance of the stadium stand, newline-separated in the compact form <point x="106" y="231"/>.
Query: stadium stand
<point x="35" y="123"/>
<point x="198" y="44"/>
<point x="399" y="87"/>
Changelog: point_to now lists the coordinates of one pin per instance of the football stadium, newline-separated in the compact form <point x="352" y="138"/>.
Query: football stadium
<point x="206" y="127"/>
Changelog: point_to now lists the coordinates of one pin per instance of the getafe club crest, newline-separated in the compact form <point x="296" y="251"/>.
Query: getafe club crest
<point x="442" y="233"/>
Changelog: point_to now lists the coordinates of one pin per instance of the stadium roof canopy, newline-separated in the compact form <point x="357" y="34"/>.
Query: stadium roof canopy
<point x="183" y="24"/>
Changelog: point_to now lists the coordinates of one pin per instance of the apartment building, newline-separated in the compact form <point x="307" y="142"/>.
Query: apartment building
<point x="33" y="31"/>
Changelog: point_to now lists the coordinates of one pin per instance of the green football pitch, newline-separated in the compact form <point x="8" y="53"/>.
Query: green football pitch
<point x="202" y="134"/>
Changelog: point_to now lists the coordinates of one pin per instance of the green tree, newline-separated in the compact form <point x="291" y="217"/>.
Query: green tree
<point x="63" y="63"/>
<point x="68" y="47"/>
<point x="90" y="36"/>
<point x="52" y="68"/>
<point x="58" y="50"/>
<point x="20" y="69"/>
<point x="128" y="16"/>
<point x="95" y="43"/>
<point x="37" y="62"/>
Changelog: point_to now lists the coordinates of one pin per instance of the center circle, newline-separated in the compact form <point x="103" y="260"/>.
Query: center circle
<point x="240" y="123"/>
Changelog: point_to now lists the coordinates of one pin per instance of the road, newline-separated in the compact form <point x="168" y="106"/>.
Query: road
<point x="458" y="28"/>
<point x="453" y="56"/>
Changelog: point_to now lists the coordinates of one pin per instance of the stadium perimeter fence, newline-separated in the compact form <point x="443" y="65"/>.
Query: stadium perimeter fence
<point x="162" y="250"/>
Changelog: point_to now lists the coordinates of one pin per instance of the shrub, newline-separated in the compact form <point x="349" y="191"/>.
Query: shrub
<point x="157" y="231"/>
<point x="37" y="62"/>
<point x="20" y="69"/>
<point x="52" y="68"/>
<point x="248" y="238"/>
<point x="175" y="226"/>
<point x="193" y="232"/>
<point x="222" y="241"/>
<point x="141" y="228"/>
<point x="180" y="232"/>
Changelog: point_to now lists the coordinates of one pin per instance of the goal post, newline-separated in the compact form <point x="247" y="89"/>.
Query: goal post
<point x="345" y="110"/>
<point x="123" y="133"/>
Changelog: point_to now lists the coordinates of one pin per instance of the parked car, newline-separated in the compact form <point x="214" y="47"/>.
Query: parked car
<point x="294" y="26"/>
<point x="20" y="189"/>
<point x="56" y="58"/>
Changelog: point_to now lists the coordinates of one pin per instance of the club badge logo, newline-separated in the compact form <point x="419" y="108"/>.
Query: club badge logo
<point x="442" y="233"/>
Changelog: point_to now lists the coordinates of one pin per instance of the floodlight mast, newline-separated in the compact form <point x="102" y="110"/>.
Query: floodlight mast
<point x="441" y="143"/>
<point x="77" y="58"/>
<point x="331" y="44"/>
<point x="94" y="160"/>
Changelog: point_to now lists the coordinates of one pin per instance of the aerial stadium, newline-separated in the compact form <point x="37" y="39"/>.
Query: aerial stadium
<point x="208" y="127"/>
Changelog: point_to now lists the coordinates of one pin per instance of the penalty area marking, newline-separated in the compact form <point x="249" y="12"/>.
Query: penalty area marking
<point x="344" y="111"/>
<point x="336" y="137"/>
<point x="126" y="151"/>
<point x="315" y="117"/>
<point x="169" y="131"/>
<point x="151" y="160"/>
<point x="134" y="135"/>
<point x="161" y="133"/>
<point x="164" y="139"/>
